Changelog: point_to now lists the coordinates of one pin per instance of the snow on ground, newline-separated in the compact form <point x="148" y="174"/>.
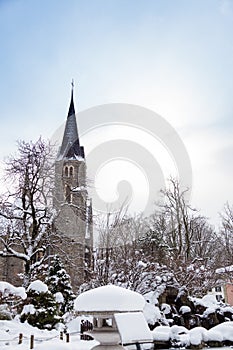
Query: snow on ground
<point x="10" y="330"/>
<point x="44" y="339"/>
<point x="109" y="298"/>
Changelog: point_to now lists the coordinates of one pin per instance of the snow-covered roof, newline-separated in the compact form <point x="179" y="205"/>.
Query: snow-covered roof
<point x="109" y="298"/>
<point x="138" y="330"/>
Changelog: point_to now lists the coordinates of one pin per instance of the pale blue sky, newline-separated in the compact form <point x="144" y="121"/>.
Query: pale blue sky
<point x="172" y="56"/>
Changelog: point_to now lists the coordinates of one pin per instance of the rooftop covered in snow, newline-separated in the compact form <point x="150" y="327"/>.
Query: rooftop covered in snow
<point x="108" y="299"/>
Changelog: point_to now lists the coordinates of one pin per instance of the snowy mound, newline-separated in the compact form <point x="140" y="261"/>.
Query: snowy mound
<point x="38" y="287"/>
<point x="8" y="289"/>
<point x="109" y="298"/>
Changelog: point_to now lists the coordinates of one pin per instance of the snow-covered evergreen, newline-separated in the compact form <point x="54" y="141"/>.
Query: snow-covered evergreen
<point x="41" y="309"/>
<point x="58" y="281"/>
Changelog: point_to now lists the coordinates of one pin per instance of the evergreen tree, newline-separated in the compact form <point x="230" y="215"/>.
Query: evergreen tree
<point x="41" y="309"/>
<point x="58" y="281"/>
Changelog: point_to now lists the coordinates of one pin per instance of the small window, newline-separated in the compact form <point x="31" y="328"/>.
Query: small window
<point x="66" y="171"/>
<point x="218" y="297"/>
<point x="71" y="171"/>
<point x="218" y="289"/>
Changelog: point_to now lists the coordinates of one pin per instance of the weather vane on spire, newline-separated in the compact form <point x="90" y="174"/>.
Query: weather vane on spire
<point x="72" y="84"/>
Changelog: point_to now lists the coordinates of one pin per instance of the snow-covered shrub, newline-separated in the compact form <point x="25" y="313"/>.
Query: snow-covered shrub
<point x="179" y="336"/>
<point x="225" y="329"/>
<point x="153" y="315"/>
<point x="41" y="308"/>
<point x="185" y="309"/>
<point x="12" y="297"/>
<point x="227" y="312"/>
<point x="5" y="313"/>
<point x="58" y="281"/>
<point x="7" y="289"/>
<point x="197" y="336"/>
<point x="161" y="333"/>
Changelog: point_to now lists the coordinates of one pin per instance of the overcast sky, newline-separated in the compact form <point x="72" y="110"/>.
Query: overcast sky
<point x="174" y="57"/>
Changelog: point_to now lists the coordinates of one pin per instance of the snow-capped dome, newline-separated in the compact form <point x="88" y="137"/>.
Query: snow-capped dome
<point x="109" y="298"/>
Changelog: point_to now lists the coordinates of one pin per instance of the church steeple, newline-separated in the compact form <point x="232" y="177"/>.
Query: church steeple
<point x="70" y="148"/>
<point x="71" y="109"/>
<point x="73" y="223"/>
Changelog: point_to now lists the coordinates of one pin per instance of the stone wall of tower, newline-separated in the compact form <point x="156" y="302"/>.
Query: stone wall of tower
<point x="70" y="173"/>
<point x="70" y="201"/>
<point x="89" y="237"/>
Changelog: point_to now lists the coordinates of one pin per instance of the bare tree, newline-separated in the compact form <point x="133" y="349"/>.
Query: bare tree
<point x="176" y="242"/>
<point x="226" y="234"/>
<point x="186" y="242"/>
<point x="177" y="212"/>
<point x="26" y="209"/>
<point x="152" y="238"/>
<point x="225" y="245"/>
<point x="114" y="233"/>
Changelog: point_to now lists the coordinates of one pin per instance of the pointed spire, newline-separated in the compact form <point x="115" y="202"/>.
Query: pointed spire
<point x="71" y="109"/>
<point x="70" y="147"/>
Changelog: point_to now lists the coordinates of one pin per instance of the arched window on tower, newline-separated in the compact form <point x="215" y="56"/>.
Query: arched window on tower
<point x="71" y="171"/>
<point x="66" y="170"/>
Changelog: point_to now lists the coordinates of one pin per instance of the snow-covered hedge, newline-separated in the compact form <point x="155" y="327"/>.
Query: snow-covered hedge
<point x="11" y="298"/>
<point x="179" y="336"/>
<point x="7" y="289"/>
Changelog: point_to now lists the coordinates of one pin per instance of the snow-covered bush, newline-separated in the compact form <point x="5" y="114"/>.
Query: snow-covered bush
<point x="153" y="314"/>
<point x="5" y="313"/>
<point x="197" y="337"/>
<point x="58" y="281"/>
<point x="41" y="308"/>
<point x="11" y="300"/>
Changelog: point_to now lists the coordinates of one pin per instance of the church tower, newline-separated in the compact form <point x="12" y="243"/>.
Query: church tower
<point x="74" y="209"/>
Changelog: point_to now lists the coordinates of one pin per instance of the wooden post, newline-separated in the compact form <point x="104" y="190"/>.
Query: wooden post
<point x="32" y="342"/>
<point x="67" y="337"/>
<point x="61" y="335"/>
<point x="20" y="338"/>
